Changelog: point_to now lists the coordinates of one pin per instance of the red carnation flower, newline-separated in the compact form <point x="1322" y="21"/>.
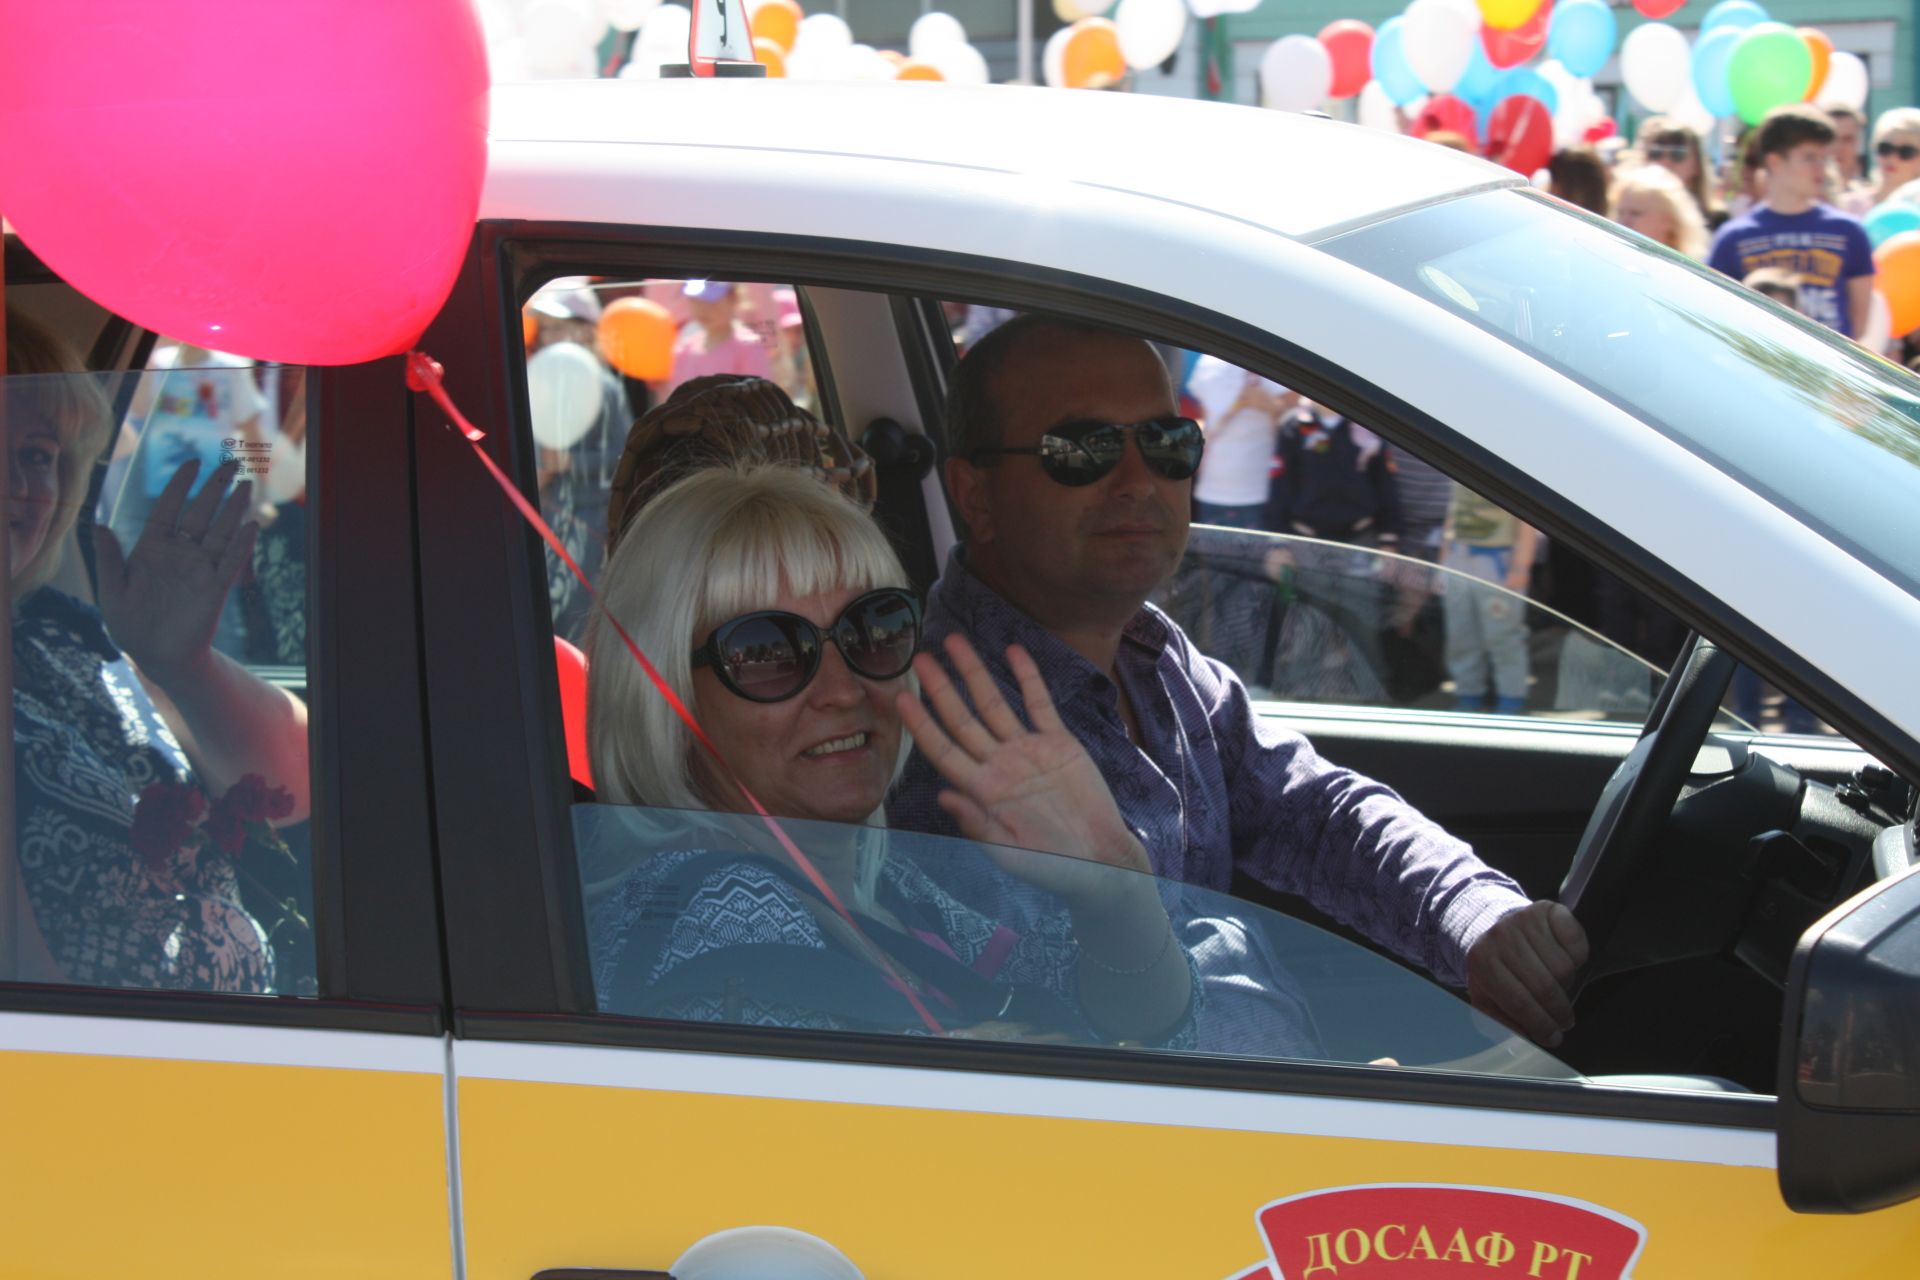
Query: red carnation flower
<point x="247" y="802"/>
<point x="163" y="818"/>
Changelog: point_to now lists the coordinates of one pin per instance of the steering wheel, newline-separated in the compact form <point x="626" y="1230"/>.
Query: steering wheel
<point x="1621" y="835"/>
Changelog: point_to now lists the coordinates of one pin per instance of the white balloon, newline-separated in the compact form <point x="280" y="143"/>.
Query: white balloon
<point x="931" y="31"/>
<point x="961" y="64"/>
<point x="1656" y="65"/>
<point x="864" y="62"/>
<point x="1438" y="41"/>
<point x="1375" y="108"/>
<point x="1692" y="112"/>
<point x="1846" y="83"/>
<point x="627" y="15"/>
<point x="824" y="30"/>
<point x="1296" y="74"/>
<point x="646" y="66"/>
<point x="1204" y="9"/>
<point x="558" y="32"/>
<point x="816" y="63"/>
<point x="1053" y="59"/>
<point x="665" y="32"/>
<point x="1150" y="30"/>
<point x="565" y="390"/>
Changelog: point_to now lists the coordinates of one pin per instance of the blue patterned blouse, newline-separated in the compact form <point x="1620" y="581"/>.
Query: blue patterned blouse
<point x="87" y="740"/>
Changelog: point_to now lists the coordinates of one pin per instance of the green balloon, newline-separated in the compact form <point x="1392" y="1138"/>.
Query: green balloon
<point x="1770" y="67"/>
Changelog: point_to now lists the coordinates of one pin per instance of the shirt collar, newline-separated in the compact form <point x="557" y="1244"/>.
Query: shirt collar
<point x="990" y="620"/>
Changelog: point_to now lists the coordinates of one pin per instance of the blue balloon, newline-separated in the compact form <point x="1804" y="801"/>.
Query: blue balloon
<point x="1530" y="82"/>
<point x="1738" y="14"/>
<point x="1710" y="58"/>
<point x="1885" y="221"/>
<point x="1581" y="35"/>
<point x="1478" y="82"/>
<point x="1390" y="67"/>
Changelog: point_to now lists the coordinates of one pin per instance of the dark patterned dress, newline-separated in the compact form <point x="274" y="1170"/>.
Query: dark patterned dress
<point x="720" y="937"/>
<point x="87" y="740"/>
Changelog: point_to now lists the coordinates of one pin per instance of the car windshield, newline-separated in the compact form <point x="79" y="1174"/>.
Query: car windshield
<point x="711" y="917"/>
<point x="1752" y="388"/>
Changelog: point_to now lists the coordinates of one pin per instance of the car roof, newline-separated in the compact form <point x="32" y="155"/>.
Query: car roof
<point x="1299" y="175"/>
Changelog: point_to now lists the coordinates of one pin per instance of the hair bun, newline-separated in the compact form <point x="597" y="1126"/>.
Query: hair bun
<point x="729" y="418"/>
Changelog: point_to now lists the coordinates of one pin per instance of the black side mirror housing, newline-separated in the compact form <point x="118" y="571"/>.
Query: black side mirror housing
<point x="1849" y="1120"/>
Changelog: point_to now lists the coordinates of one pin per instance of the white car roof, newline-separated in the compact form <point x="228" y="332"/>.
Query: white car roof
<point x="1302" y="176"/>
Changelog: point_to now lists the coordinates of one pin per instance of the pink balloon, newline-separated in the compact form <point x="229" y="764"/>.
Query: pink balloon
<point x="1349" y="42"/>
<point x="290" y="180"/>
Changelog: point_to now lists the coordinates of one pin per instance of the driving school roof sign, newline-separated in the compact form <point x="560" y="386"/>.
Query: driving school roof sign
<point x="1414" y="1231"/>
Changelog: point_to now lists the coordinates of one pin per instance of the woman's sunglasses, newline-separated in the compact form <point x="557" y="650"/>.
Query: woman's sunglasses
<point x="771" y="655"/>
<point x="1079" y="453"/>
<point x="1905" y="150"/>
<point x="1672" y="154"/>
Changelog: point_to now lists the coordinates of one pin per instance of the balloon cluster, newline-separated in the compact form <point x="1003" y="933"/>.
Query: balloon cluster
<point x="1094" y="51"/>
<point x="1741" y="63"/>
<point x="1465" y="66"/>
<point x="793" y="44"/>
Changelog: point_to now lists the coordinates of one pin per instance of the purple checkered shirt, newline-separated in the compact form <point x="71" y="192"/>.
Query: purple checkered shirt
<point x="1214" y="786"/>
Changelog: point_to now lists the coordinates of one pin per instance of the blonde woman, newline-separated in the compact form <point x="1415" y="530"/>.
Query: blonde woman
<point x="1654" y="202"/>
<point x="1668" y="144"/>
<point x="1896" y="153"/>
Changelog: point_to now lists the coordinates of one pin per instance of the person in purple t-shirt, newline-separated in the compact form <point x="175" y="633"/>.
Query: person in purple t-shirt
<point x="1795" y="231"/>
<point x="1065" y="542"/>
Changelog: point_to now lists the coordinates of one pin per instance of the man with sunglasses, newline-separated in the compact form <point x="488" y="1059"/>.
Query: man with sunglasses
<point x="1794" y="229"/>
<point x="1073" y="473"/>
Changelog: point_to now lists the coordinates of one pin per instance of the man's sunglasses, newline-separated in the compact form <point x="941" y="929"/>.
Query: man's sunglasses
<point x="1673" y="153"/>
<point x="770" y="656"/>
<point x="1078" y="453"/>
<point x="1905" y="150"/>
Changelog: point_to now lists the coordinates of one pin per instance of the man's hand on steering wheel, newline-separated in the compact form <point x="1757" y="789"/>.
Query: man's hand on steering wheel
<point x="1521" y="971"/>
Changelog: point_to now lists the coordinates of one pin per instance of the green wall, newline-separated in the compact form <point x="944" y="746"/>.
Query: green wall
<point x="1276" y="18"/>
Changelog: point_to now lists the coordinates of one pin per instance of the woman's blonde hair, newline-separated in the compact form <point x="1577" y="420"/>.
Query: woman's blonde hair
<point x="720" y="542"/>
<point x="1887" y="123"/>
<point x="48" y="383"/>
<point x="1689" y="228"/>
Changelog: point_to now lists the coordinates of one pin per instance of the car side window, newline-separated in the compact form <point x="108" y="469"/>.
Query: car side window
<point x="712" y="917"/>
<point x="159" y="672"/>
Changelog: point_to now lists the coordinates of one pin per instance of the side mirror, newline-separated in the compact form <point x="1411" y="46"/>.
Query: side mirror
<point x="1850" y="1059"/>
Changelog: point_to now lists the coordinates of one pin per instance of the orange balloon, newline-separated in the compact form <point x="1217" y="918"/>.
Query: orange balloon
<point x="1091" y="57"/>
<point x="1822" y="50"/>
<point x="1898" y="266"/>
<point x="911" y="70"/>
<point x="529" y="327"/>
<point x="636" y="337"/>
<point x="778" y="21"/>
<point x="771" y="56"/>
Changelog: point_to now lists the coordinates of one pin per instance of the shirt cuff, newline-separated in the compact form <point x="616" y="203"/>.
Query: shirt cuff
<point x="1473" y="911"/>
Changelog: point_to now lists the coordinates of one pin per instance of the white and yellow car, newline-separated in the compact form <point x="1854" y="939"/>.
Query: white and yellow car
<point x="444" y="1094"/>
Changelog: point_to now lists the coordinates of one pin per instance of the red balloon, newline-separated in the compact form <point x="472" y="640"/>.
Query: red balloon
<point x="1658" y="8"/>
<point x="293" y="180"/>
<point x="1520" y="134"/>
<point x="1605" y="129"/>
<point x="1349" y="42"/>
<point x="571" y="666"/>
<point x="1511" y="48"/>
<point x="1445" y="112"/>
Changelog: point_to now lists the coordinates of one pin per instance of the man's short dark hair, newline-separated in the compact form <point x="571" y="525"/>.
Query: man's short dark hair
<point x="973" y="414"/>
<point x="1788" y="127"/>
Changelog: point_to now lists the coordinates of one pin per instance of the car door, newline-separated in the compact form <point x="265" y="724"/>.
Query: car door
<point x="594" y="1140"/>
<point x="168" y="1113"/>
